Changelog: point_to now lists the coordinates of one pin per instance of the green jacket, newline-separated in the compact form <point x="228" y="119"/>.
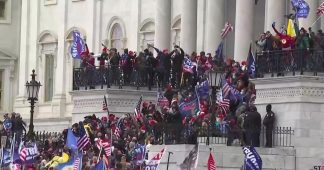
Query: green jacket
<point x="302" y="42"/>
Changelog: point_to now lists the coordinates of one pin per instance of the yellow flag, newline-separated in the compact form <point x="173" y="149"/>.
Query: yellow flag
<point x="291" y="29"/>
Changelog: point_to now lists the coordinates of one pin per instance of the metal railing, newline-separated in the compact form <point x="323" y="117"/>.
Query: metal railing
<point x="139" y="77"/>
<point x="286" y="62"/>
<point x="179" y="134"/>
<point x="281" y="137"/>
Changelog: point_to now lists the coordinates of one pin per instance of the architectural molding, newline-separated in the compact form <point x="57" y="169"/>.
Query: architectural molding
<point x="290" y="89"/>
<point x="50" y="2"/>
<point x="144" y="23"/>
<point x="47" y="37"/>
<point x="69" y="33"/>
<point x="115" y="20"/>
<point x="174" y="22"/>
<point x="120" y="101"/>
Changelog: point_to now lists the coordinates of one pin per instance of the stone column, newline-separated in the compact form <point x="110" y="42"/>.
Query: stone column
<point x="59" y="97"/>
<point x="162" y="24"/>
<point x="214" y="24"/>
<point x="243" y="28"/>
<point x="274" y="12"/>
<point x="312" y="16"/>
<point x="23" y="75"/>
<point x="188" y="38"/>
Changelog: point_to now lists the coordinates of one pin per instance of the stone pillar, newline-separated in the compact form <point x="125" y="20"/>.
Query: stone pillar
<point x="59" y="97"/>
<point x="243" y="28"/>
<point x="188" y="38"/>
<point x="162" y="24"/>
<point x="312" y="16"/>
<point x="214" y="24"/>
<point x="274" y="12"/>
<point x="23" y="75"/>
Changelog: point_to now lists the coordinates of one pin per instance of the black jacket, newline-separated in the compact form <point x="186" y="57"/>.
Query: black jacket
<point x="269" y="120"/>
<point x="252" y="122"/>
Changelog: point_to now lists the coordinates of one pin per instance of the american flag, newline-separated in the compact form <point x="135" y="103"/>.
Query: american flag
<point x="83" y="140"/>
<point x="224" y="105"/>
<point x="23" y="154"/>
<point x="226" y="90"/>
<point x="320" y="9"/>
<point x="211" y="163"/>
<point x="104" y="104"/>
<point x="117" y="132"/>
<point x="227" y="29"/>
<point x="138" y="113"/>
<point x="102" y="144"/>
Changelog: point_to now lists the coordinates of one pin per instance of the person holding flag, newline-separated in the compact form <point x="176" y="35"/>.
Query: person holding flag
<point x="252" y="160"/>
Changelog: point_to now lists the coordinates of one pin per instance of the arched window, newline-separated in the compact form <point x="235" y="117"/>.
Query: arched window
<point x="176" y="31"/>
<point x="47" y="65"/>
<point x="116" y="34"/>
<point x="147" y="33"/>
<point x="117" y="37"/>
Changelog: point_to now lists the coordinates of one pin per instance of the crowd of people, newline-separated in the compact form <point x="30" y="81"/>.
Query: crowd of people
<point x="287" y="51"/>
<point x="232" y="114"/>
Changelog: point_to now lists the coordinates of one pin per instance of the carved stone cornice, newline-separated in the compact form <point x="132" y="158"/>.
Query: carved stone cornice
<point x="118" y="100"/>
<point x="290" y="89"/>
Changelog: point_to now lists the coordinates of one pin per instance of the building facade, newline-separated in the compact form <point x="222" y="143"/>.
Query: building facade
<point x="41" y="34"/>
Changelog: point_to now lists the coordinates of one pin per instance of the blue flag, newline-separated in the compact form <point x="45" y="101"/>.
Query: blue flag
<point x="301" y="8"/>
<point x="139" y="156"/>
<point x="100" y="165"/>
<point x="202" y="89"/>
<point x="251" y="63"/>
<point x="219" y="52"/>
<point x="252" y="160"/>
<point x="78" y="45"/>
<point x="5" y="157"/>
<point x="189" y="108"/>
<point x="71" y="140"/>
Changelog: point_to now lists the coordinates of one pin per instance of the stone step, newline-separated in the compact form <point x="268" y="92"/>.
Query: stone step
<point x="225" y="157"/>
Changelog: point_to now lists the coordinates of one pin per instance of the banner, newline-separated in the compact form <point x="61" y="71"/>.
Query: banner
<point x="301" y="8"/>
<point x="252" y="160"/>
<point x="190" y="107"/>
<point x="202" y="89"/>
<point x="139" y="155"/>
<point x="191" y="161"/>
<point x="162" y="100"/>
<point x="78" y="45"/>
<point x="155" y="161"/>
<point x="29" y="153"/>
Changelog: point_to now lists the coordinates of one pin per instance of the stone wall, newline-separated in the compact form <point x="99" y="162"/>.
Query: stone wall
<point x="298" y="103"/>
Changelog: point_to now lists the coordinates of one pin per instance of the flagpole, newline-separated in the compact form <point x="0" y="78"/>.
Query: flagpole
<point x="13" y="146"/>
<point x="100" y="151"/>
<point x="1" y="155"/>
<point x="169" y="160"/>
<point x="316" y="20"/>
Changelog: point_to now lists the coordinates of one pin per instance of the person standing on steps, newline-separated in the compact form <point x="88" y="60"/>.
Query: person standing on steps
<point x="268" y="122"/>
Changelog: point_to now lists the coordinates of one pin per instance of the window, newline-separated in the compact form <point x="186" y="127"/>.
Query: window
<point x="117" y="37"/>
<point x="147" y="34"/>
<point x="5" y="11"/>
<point x="176" y="31"/>
<point x="2" y="9"/>
<point x="49" y="77"/>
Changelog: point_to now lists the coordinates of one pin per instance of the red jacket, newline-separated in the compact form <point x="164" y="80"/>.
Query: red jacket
<point x="286" y="40"/>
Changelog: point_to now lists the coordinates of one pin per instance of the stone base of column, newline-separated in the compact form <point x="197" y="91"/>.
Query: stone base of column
<point x="58" y="105"/>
